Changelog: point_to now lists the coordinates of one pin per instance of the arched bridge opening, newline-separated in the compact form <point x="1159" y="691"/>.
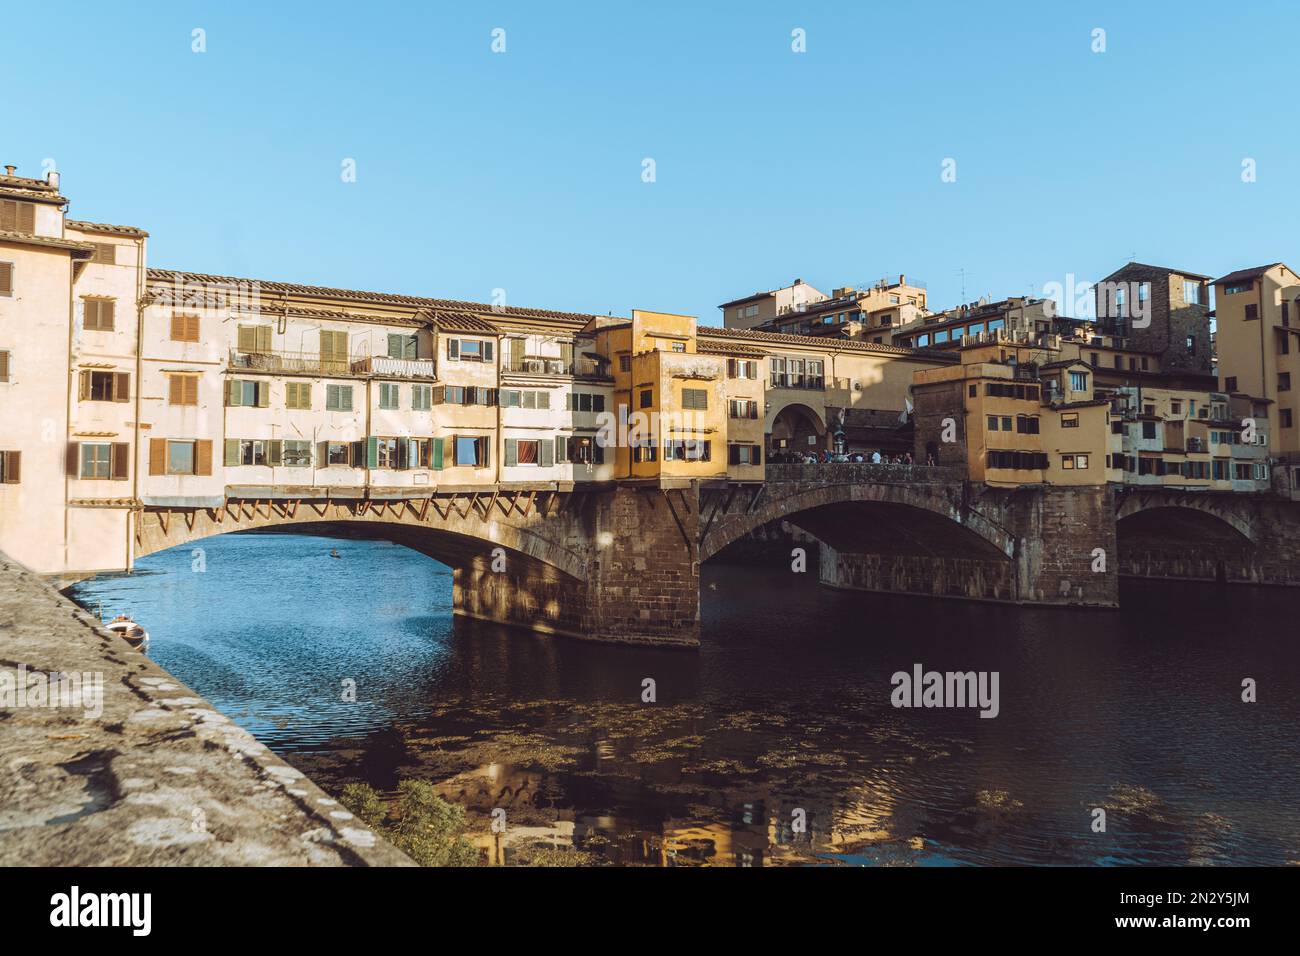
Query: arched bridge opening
<point x="1179" y="541"/>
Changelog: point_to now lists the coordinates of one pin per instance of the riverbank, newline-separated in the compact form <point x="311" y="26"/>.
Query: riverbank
<point x="113" y="761"/>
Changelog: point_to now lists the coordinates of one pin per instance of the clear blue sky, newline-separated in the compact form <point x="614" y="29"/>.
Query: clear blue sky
<point x="523" y="170"/>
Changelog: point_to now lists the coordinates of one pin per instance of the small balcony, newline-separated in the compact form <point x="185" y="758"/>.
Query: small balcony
<point x="394" y="367"/>
<point x="311" y="363"/>
<point x="553" y="366"/>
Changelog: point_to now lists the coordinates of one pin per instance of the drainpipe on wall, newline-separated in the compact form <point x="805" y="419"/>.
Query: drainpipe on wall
<point x="140" y="274"/>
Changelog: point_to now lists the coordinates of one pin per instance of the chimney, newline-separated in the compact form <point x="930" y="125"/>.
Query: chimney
<point x="902" y="280"/>
<point x="9" y="170"/>
<point x="52" y="180"/>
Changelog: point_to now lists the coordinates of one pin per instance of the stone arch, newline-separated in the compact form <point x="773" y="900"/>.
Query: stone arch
<point x="984" y="536"/>
<point x="793" y="421"/>
<point x="1228" y="518"/>
<point x="453" y="537"/>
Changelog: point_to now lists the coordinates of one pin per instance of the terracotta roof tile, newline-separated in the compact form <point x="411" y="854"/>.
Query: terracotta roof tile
<point x="82" y="226"/>
<point x="375" y="298"/>
<point x="50" y="241"/>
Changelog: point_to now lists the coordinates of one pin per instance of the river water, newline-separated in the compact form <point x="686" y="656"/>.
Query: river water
<point x="776" y="743"/>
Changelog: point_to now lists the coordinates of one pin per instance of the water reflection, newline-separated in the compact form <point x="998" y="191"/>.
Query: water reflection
<point x="776" y="743"/>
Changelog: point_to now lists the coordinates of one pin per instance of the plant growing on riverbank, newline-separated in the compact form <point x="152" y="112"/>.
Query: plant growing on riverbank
<point x="426" y="827"/>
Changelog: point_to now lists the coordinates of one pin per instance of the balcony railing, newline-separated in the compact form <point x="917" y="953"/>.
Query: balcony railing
<point x="551" y="365"/>
<point x="395" y="367"/>
<point x="311" y="363"/>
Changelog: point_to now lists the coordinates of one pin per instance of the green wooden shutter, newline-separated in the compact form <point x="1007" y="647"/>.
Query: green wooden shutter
<point x="232" y="391"/>
<point x="406" y="453"/>
<point x="546" y="452"/>
<point x="232" y="452"/>
<point x="512" y="452"/>
<point x="394" y="345"/>
<point x="437" y="454"/>
<point x="263" y="394"/>
<point x="247" y="338"/>
<point x="410" y="347"/>
<point x="517" y="353"/>
<point x="372" y="452"/>
<point x="275" y="452"/>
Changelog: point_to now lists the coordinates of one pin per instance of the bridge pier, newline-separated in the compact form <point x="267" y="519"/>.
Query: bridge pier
<point x="642" y="584"/>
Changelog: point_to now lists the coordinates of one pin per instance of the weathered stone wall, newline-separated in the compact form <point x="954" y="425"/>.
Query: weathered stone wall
<point x="969" y="578"/>
<point x="157" y="776"/>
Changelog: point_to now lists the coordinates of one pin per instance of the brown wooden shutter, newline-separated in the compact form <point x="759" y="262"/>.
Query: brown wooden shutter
<point x="6" y="278"/>
<point x="8" y="216"/>
<point x="275" y="452"/>
<point x="26" y="218"/>
<point x="121" y="386"/>
<point x="12" y="467"/>
<point x="192" y="328"/>
<point x="264" y="338"/>
<point x="175" y="389"/>
<point x="83" y="384"/>
<point x="72" y="465"/>
<point x="203" y="456"/>
<point x="247" y="341"/>
<point x="157" y="456"/>
<point x="106" y="253"/>
<point x="178" y="327"/>
<point x="121" y="460"/>
<point x="190" y="394"/>
<point x="107" y="308"/>
<point x="4" y="366"/>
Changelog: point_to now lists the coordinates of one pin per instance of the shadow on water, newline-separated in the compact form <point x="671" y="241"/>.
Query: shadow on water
<point x="777" y="742"/>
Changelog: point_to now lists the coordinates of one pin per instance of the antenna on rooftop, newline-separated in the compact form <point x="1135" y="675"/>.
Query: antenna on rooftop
<point x="963" y="273"/>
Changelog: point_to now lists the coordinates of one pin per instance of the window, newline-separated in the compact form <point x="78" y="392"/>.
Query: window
<point x="1079" y="381"/>
<point x="993" y="423"/>
<point x="1286" y="313"/>
<point x="644" y="451"/>
<point x="98" y="315"/>
<point x="472" y="452"/>
<point x="421" y="398"/>
<point x="1149" y="430"/>
<point x="185" y="328"/>
<point x="1191" y="345"/>
<point x="468" y="395"/>
<point x="402" y="346"/>
<point x="695" y="398"/>
<point x="1284" y="381"/>
<point x="647" y="398"/>
<point x="4" y="365"/>
<point x="297" y="454"/>
<point x="1074" y="462"/>
<point x="973" y="391"/>
<point x="105" y="253"/>
<point x="742" y="368"/>
<point x="625" y="363"/>
<point x="337" y="453"/>
<point x="257" y="338"/>
<point x="104" y="460"/>
<point x="688" y="449"/>
<point x="1284" y="417"/>
<point x="10" y="467"/>
<point x="389" y="394"/>
<point x="297" y="395"/>
<point x="6" y="281"/>
<point x="181" y="457"/>
<point x="1252" y="311"/>
<point x="333" y="348"/>
<point x="584" y="402"/>
<point x="744" y="454"/>
<point x="338" y="398"/>
<point x="1236" y="288"/>
<point x="18" y="217"/>
<point x="1191" y="292"/>
<point x="679" y="346"/>
<point x="743" y="408"/>
<point x="580" y="450"/>
<point x="182" y="389"/>
<point x="242" y="392"/>
<point x="529" y="451"/>
<point x="1027" y="424"/>
<point x="104" y="386"/>
<point x="1070" y="420"/>
<point x="245" y="451"/>
<point x="1006" y="423"/>
<point x="469" y="350"/>
<point x="1230" y="383"/>
<point x="1016" y="460"/>
<point x="922" y="341"/>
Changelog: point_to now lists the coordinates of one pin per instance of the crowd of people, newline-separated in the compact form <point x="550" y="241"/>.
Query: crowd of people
<point x="825" y="457"/>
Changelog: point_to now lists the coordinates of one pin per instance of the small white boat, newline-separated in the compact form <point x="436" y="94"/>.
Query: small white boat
<point x="133" y="633"/>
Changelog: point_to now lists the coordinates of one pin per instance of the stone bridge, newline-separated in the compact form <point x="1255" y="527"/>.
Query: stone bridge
<point x="620" y="561"/>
